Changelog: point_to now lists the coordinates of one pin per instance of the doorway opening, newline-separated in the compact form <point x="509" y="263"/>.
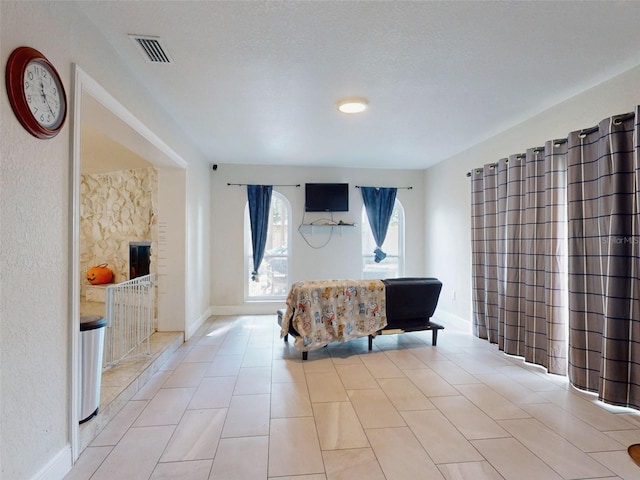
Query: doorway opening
<point x="107" y="138"/>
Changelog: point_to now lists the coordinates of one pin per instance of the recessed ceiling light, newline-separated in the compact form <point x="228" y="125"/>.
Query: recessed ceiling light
<point x="353" y="105"/>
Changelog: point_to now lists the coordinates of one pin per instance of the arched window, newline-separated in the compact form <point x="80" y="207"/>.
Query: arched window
<point x="393" y="265"/>
<point x="273" y="275"/>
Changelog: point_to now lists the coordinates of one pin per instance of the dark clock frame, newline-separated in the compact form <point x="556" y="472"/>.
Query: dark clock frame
<point x="14" y="76"/>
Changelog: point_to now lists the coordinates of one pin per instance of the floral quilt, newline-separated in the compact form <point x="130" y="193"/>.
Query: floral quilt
<point x="327" y="311"/>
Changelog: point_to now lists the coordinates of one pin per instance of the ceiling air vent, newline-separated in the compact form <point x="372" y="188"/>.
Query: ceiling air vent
<point x="151" y="48"/>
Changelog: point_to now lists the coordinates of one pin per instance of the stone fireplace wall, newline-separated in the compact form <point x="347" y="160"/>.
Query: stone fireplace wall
<point x="117" y="208"/>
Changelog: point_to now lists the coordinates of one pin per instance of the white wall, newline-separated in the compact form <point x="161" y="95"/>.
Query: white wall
<point x="35" y="222"/>
<point x="340" y="258"/>
<point x="171" y="249"/>
<point x="447" y="199"/>
<point x="198" y="247"/>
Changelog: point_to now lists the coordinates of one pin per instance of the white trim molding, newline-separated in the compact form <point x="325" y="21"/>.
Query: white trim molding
<point x="84" y="84"/>
<point x="257" y="308"/>
<point x="57" y="467"/>
<point x="193" y="328"/>
<point x="451" y="320"/>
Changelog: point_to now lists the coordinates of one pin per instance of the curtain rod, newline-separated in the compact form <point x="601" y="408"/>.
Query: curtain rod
<point x="491" y="165"/>
<point x="556" y="143"/>
<point x="399" y="188"/>
<point x="617" y="120"/>
<point x="245" y="184"/>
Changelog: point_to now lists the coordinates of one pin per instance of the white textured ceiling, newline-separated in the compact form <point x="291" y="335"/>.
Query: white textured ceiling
<point x="257" y="82"/>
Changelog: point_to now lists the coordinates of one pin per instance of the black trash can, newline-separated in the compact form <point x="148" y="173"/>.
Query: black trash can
<point x="92" y="329"/>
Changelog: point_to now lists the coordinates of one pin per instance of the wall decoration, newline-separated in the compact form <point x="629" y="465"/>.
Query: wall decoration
<point x="35" y="92"/>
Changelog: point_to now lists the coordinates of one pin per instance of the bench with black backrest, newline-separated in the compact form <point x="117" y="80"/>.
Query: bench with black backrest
<point x="410" y="304"/>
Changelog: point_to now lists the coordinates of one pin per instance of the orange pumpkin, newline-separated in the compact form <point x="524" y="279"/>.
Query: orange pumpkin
<point x="99" y="274"/>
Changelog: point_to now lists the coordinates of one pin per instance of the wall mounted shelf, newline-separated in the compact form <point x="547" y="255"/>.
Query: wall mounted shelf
<point x="322" y="227"/>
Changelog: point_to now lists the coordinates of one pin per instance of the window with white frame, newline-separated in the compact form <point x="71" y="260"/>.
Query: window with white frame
<point x="273" y="275"/>
<point x="393" y="265"/>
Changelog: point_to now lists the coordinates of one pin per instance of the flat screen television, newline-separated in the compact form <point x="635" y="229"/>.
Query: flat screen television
<point x="326" y="197"/>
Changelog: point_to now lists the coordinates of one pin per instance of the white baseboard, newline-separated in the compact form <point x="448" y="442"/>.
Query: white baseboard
<point x="249" y="309"/>
<point x="268" y="308"/>
<point x="57" y="467"/>
<point x="451" y="320"/>
<point x="193" y="327"/>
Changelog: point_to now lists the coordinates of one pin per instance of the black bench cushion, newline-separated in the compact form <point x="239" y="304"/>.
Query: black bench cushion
<point x="411" y="301"/>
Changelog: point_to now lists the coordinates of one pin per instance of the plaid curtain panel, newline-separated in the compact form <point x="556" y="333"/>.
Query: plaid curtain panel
<point x="519" y="255"/>
<point x="556" y="257"/>
<point x="604" y="260"/>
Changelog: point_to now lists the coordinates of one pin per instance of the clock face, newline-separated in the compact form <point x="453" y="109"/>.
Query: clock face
<point x="43" y="94"/>
<point x="35" y="92"/>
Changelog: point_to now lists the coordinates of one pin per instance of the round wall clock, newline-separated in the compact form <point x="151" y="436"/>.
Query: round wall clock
<point x="36" y="93"/>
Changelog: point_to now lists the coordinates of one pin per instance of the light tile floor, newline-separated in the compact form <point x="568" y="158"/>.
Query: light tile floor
<point x="236" y="402"/>
<point x="121" y="382"/>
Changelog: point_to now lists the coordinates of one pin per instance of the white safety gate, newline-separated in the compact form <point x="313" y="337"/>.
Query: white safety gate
<point x="130" y="309"/>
